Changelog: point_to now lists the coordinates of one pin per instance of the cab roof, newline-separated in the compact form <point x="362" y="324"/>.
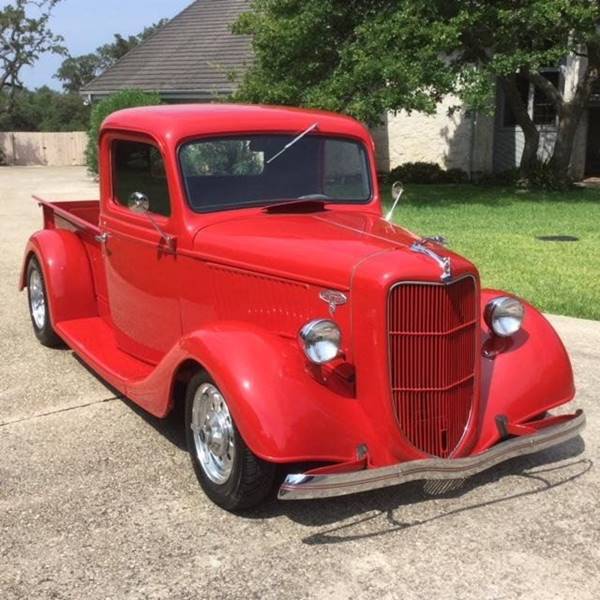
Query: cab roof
<point x="173" y="123"/>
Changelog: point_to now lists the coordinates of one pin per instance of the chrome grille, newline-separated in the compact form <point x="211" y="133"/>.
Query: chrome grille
<point x="432" y="336"/>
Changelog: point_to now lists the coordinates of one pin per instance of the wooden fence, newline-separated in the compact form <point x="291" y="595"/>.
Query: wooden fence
<point x="41" y="148"/>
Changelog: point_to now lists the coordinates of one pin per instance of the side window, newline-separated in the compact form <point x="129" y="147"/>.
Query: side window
<point x="139" y="167"/>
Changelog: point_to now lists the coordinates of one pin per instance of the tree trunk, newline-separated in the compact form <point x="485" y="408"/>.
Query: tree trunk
<point x="569" y="117"/>
<point x="568" y="122"/>
<point x="529" y="158"/>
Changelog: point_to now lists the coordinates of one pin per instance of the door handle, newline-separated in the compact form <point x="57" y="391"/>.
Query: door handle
<point x="102" y="238"/>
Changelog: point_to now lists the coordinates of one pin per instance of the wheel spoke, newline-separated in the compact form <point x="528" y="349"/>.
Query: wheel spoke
<point x="213" y="433"/>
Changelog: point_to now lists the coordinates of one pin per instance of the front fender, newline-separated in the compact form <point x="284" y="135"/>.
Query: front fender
<point x="530" y="374"/>
<point x="281" y="411"/>
<point x="67" y="274"/>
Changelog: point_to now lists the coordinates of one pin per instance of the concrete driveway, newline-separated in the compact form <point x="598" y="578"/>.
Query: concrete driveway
<point x="97" y="500"/>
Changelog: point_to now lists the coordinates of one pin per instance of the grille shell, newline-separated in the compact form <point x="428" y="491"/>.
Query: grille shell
<point x="432" y="339"/>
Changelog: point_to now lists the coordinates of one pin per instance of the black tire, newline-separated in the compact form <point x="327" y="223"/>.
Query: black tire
<point x="42" y="324"/>
<point x="251" y="478"/>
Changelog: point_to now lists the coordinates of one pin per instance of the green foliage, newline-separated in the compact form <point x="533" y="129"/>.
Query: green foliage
<point x="426" y="172"/>
<point x="46" y="110"/>
<point x="541" y="177"/>
<point x="497" y="229"/>
<point x="367" y="57"/>
<point x="119" y="101"/>
<point x="24" y="37"/>
<point x="223" y="157"/>
<point x="77" y="71"/>
<point x="545" y="177"/>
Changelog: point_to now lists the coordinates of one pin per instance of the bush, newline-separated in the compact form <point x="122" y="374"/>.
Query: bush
<point x="541" y="177"/>
<point x="508" y="177"/>
<point x="119" y="101"/>
<point x="425" y="172"/>
<point x="545" y="177"/>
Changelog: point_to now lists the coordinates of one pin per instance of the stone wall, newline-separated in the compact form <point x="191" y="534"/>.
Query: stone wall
<point x="454" y="139"/>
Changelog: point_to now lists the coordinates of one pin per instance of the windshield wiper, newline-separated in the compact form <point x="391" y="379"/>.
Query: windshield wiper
<point x="296" y="139"/>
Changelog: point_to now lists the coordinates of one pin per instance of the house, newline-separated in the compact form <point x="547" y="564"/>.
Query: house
<point x="196" y="58"/>
<point x="193" y="58"/>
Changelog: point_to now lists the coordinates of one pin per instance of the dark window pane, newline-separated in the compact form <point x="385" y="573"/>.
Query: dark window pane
<point x="544" y="112"/>
<point x="140" y="168"/>
<point x="236" y="172"/>
<point x="508" y="117"/>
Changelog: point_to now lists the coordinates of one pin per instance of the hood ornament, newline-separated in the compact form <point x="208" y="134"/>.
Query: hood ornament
<point x="443" y="262"/>
<point x="334" y="299"/>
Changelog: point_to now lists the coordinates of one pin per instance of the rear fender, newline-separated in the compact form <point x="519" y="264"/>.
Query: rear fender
<point x="67" y="274"/>
<point x="524" y="376"/>
<point x="281" y="411"/>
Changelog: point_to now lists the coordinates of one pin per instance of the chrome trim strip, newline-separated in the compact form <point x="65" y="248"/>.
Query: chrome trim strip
<point x="306" y="486"/>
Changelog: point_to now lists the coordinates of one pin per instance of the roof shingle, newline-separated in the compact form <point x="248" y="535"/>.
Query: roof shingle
<point x="191" y="56"/>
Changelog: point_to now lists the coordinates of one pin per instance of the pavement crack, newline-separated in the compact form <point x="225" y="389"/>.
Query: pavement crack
<point x="59" y="410"/>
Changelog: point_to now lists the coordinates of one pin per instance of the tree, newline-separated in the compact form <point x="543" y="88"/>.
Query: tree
<point x="366" y="57"/>
<point x="23" y="39"/>
<point x="46" y="110"/>
<point x="76" y="71"/>
<point x="118" y="101"/>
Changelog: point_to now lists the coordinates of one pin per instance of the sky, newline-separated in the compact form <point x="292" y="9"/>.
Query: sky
<point x="87" y="24"/>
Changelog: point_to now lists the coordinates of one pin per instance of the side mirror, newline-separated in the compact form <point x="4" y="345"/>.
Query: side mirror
<point x="397" y="191"/>
<point x="139" y="203"/>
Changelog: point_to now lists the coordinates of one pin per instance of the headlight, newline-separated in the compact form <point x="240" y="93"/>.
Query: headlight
<point x="504" y="315"/>
<point x="321" y="340"/>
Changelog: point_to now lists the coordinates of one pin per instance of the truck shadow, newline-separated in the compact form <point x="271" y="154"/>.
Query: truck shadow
<point x="377" y="513"/>
<point x="373" y="514"/>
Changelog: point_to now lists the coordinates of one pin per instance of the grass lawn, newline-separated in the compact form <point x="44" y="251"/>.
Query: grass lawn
<point x="496" y="228"/>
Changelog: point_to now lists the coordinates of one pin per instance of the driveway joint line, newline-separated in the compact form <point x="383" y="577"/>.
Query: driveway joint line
<point x="59" y="410"/>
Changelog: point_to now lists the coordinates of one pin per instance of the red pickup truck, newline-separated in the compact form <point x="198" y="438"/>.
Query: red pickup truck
<point x="238" y="263"/>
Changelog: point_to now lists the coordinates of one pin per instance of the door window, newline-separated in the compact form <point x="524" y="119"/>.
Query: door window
<point x="139" y="167"/>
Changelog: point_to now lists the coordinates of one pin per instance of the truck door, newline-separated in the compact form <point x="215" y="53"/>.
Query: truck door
<point x="140" y="268"/>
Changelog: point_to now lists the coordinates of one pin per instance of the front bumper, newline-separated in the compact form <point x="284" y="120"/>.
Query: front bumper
<point x="307" y="486"/>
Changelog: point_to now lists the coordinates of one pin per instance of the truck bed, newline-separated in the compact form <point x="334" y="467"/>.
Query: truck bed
<point x="83" y="214"/>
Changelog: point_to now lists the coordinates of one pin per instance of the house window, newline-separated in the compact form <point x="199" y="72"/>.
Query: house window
<point x="139" y="167"/>
<point x="509" y="119"/>
<point x="544" y="111"/>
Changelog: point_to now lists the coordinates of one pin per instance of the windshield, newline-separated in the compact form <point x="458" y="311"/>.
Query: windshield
<point x="237" y="172"/>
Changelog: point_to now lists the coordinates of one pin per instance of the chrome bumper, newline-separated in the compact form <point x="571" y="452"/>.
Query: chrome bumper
<point x="307" y="486"/>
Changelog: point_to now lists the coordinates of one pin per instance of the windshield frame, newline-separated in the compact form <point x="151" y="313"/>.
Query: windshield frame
<point x="262" y="203"/>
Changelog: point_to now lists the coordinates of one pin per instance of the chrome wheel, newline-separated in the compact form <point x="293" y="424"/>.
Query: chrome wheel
<point x="214" y="436"/>
<point x="37" y="299"/>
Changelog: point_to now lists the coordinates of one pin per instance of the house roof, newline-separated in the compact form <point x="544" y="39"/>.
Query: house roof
<point x="192" y="56"/>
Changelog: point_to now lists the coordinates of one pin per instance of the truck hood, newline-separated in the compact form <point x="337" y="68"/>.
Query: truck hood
<point x="323" y="247"/>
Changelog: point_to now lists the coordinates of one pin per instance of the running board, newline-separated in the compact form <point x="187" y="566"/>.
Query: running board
<point x="94" y="341"/>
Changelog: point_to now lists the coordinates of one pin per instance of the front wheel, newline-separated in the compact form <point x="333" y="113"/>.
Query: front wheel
<point x="229" y="473"/>
<point x="38" y="306"/>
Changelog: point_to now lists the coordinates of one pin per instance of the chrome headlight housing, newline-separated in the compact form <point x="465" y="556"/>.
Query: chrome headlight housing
<point x="321" y="341"/>
<point x="504" y="315"/>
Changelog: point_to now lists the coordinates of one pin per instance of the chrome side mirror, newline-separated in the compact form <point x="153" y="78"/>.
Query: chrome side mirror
<point x="139" y="203"/>
<point x="397" y="191"/>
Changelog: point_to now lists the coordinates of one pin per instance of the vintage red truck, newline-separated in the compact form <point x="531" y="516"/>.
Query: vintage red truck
<point x="238" y="263"/>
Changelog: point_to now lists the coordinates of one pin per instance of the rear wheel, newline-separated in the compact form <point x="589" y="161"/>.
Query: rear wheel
<point x="229" y="473"/>
<point x="38" y="306"/>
